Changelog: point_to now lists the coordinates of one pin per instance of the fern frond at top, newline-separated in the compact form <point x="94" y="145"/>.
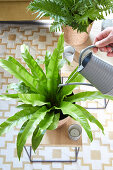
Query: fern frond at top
<point x="75" y="13"/>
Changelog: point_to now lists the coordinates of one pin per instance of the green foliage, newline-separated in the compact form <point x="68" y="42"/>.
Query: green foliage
<point x="36" y="70"/>
<point x="88" y="95"/>
<point x="36" y="140"/>
<point x="19" y="87"/>
<point x="46" y="122"/>
<point x="55" y="122"/>
<point x="43" y="102"/>
<point x="90" y="117"/>
<point x="75" y="13"/>
<point x="30" y="127"/>
<point x="83" y="96"/>
<point x="9" y="96"/>
<point x="47" y="60"/>
<point x="18" y="118"/>
<point x="20" y="73"/>
<point x="77" y="114"/>
<point x="33" y="99"/>
<point x="66" y="90"/>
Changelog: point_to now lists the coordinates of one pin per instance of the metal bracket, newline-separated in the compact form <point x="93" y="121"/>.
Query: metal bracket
<point x="29" y="153"/>
<point x="104" y="106"/>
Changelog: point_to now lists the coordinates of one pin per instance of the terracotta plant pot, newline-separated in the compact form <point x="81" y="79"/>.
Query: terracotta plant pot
<point x="73" y="38"/>
<point x="61" y="122"/>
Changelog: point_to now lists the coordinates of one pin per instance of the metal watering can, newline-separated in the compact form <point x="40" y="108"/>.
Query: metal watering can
<point x="96" y="71"/>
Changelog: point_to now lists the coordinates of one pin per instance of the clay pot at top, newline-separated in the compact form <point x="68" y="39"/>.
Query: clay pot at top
<point x="73" y="38"/>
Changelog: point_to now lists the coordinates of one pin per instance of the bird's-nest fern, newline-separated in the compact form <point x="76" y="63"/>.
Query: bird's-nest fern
<point x="40" y="98"/>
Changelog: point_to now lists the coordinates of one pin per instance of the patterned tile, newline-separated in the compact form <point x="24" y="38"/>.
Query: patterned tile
<point x="97" y="155"/>
<point x="12" y="37"/>
<point x="56" y="153"/>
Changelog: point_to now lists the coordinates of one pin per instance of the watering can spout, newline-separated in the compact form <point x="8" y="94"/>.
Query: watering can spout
<point x="80" y="68"/>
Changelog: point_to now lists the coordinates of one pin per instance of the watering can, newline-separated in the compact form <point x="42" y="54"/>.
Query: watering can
<point x="96" y="71"/>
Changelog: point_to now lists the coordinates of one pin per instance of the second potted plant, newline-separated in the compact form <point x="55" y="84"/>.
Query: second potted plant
<point x="72" y="15"/>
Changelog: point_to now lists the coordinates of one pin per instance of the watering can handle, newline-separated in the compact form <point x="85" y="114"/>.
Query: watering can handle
<point x="85" y="49"/>
<point x="80" y="67"/>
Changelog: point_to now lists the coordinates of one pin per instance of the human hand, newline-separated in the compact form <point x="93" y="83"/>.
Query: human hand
<point x="104" y="39"/>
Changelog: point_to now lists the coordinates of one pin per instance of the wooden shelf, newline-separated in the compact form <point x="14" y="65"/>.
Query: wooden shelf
<point x="59" y="137"/>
